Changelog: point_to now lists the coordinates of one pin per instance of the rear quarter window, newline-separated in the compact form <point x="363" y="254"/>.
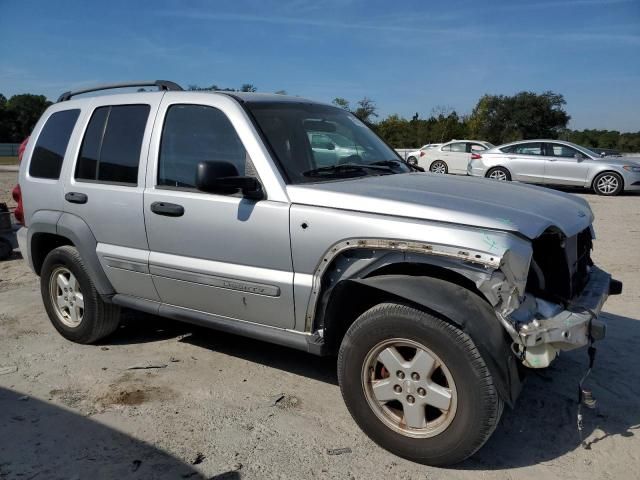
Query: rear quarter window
<point x="50" y="148"/>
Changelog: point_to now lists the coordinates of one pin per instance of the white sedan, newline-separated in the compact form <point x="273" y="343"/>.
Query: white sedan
<point x="452" y="157"/>
<point x="413" y="157"/>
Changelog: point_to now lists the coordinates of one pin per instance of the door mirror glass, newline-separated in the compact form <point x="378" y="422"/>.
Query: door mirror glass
<point x="223" y="178"/>
<point x="579" y="156"/>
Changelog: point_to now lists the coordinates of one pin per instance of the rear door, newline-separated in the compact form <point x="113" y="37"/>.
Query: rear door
<point x="223" y="255"/>
<point x="106" y="185"/>
<point x="526" y="161"/>
<point x="565" y="165"/>
<point x="457" y="157"/>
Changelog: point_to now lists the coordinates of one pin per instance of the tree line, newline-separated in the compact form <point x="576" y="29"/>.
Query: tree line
<point x="495" y="118"/>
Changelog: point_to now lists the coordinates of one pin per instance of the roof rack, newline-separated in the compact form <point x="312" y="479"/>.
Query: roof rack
<point x="161" y="84"/>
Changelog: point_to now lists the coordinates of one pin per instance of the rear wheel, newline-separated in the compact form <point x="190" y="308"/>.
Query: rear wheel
<point x="608" y="183"/>
<point x="438" y="167"/>
<point x="417" y="385"/>
<point x="412" y="160"/>
<point x="70" y="298"/>
<point x="499" y="173"/>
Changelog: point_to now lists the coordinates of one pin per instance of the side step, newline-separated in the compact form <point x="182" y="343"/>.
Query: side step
<point x="311" y="343"/>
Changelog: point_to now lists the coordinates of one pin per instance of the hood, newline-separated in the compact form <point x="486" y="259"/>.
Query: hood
<point x="476" y="202"/>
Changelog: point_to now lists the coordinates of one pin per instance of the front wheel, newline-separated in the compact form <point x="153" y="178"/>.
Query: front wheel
<point x="417" y="385"/>
<point x="608" y="184"/>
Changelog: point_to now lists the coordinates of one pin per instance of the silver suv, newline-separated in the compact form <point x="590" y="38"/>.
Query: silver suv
<point x="435" y="293"/>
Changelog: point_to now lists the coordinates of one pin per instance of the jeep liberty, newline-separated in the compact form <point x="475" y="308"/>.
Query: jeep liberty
<point x="290" y="221"/>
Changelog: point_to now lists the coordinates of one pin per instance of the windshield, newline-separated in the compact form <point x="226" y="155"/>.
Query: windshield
<point x="318" y="142"/>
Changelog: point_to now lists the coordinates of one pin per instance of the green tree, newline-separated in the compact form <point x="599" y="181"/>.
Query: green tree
<point x="342" y="103"/>
<point x="501" y="118"/>
<point x="366" y="110"/>
<point x="19" y="114"/>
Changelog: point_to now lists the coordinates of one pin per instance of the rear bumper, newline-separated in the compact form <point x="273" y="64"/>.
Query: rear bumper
<point x="23" y="241"/>
<point x="475" y="171"/>
<point x="545" y="328"/>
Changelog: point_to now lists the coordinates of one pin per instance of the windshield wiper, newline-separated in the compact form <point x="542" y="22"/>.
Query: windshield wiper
<point x="347" y="168"/>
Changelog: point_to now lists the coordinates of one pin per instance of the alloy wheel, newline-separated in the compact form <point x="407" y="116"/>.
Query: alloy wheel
<point x="66" y="297"/>
<point x="409" y="388"/>
<point x="438" y="167"/>
<point x="607" y="184"/>
<point x="498" y="175"/>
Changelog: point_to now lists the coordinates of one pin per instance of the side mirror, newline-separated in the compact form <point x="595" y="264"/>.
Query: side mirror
<point x="579" y="156"/>
<point x="330" y="146"/>
<point x="223" y="178"/>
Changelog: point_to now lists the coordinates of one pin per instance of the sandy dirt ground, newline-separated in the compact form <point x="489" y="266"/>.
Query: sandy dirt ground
<point x="213" y="405"/>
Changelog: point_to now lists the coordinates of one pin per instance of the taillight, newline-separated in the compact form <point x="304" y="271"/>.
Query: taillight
<point x="16" y="193"/>
<point x="476" y="156"/>
<point x="421" y="153"/>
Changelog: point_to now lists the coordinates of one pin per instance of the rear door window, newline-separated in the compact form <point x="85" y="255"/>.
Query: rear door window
<point x="48" y="154"/>
<point x="533" y="148"/>
<point x="111" y="146"/>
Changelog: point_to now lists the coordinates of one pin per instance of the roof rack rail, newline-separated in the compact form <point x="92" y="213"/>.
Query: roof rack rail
<point x="161" y="84"/>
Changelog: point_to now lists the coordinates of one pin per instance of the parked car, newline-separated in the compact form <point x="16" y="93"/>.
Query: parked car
<point x="606" y="152"/>
<point x="452" y="157"/>
<point x="414" y="156"/>
<point x="435" y="293"/>
<point x="554" y="162"/>
<point x="330" y="148"/>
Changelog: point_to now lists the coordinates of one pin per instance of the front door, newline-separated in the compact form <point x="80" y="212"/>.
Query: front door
<point x="219" y="254"/>
<point x="565" y="165"/>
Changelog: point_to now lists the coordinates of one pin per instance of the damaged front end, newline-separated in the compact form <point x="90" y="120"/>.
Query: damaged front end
<point x="563" y="296"/>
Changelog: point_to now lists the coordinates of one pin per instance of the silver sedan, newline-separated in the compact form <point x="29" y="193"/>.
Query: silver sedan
<point x="554" y="162"/>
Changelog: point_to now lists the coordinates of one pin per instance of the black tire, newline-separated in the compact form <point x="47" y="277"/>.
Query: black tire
<point x="5" y="249"/>
<point x="435" y="165"/>
<point x="478" y="405"/>
<point x="608" y="184"/>
<point x="412" y="160"/>
<point x="99" y="319"/>
<point x="499" y="170"/>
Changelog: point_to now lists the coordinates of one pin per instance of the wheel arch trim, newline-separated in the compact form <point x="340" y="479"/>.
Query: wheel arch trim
<point x="602" y="172"/>
<point x="429" y="250"/>
<point x="466" y="310"/>
<point x="76" y="231"/>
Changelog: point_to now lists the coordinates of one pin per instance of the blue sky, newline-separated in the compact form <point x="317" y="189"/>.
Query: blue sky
<point x="408" y="56"/>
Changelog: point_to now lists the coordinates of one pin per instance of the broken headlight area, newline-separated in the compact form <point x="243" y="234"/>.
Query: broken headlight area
<point x="564" y="295"/>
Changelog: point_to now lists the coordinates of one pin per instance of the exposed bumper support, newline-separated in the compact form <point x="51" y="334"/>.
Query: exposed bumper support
<point x="544" y="327"/>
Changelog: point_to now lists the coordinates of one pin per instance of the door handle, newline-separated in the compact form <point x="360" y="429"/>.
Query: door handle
<point x="167" y="209"/>
<point x="76" y="197"/>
